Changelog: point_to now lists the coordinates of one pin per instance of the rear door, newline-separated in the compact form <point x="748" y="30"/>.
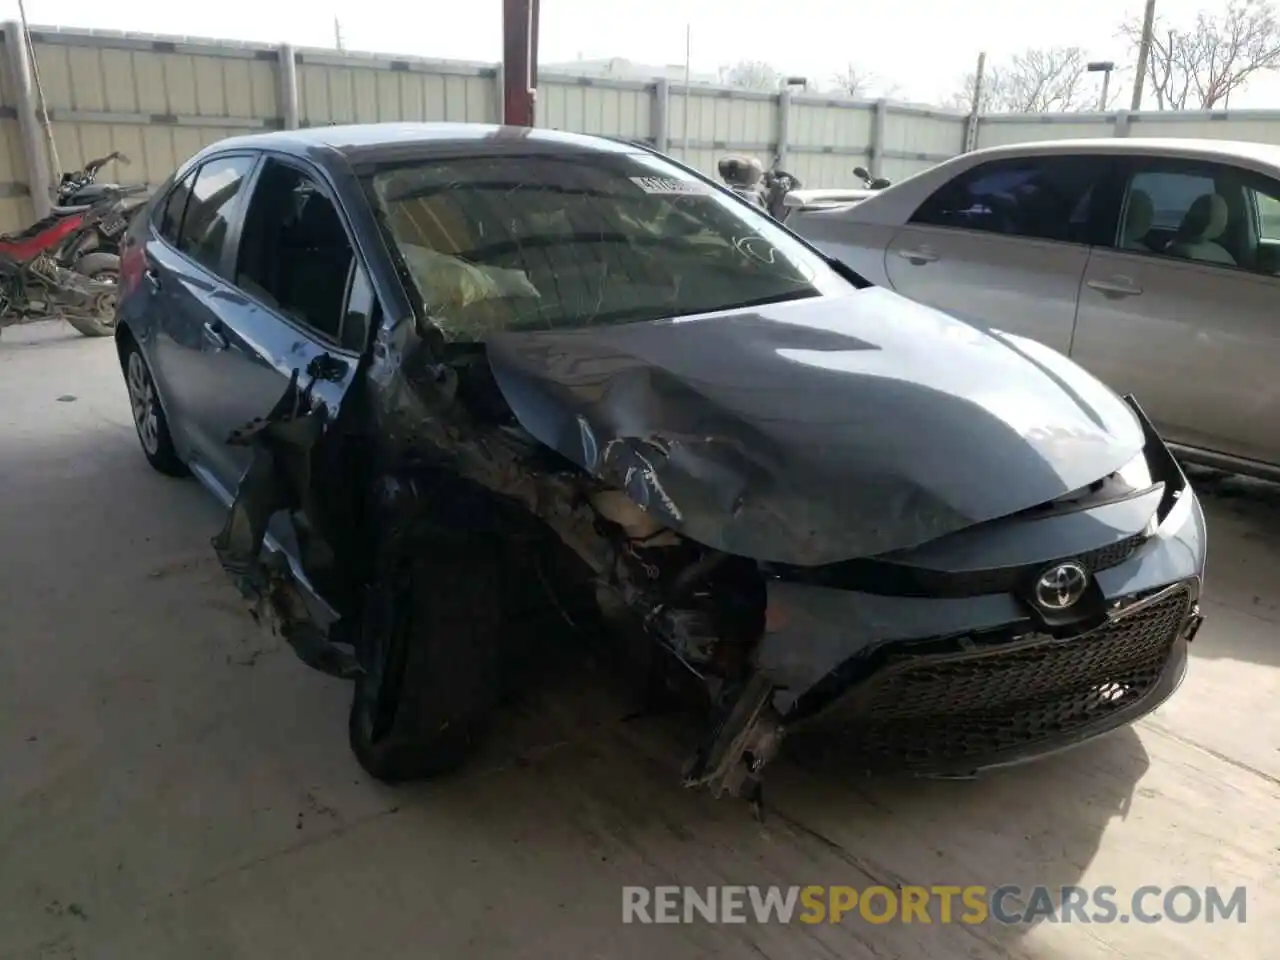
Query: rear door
<point x="299" y="302"/>
<point x="185" y="268"/>
<point x="1005" y="244"/>
<point x="1180" y="308"/>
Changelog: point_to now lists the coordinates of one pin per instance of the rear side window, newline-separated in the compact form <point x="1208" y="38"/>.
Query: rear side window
<point x="209" y="207"/>
<point x="1042" y="198"/>
<point x="175" y="204"/>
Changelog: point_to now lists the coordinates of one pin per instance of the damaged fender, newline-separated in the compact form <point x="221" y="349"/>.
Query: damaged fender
<point x="279" y="478"/>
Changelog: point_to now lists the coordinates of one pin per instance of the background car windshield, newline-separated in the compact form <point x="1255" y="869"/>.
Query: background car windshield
<point x="573" y="240"/>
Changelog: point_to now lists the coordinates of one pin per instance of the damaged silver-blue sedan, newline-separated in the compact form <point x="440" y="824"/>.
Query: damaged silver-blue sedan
<point x="429" y="366"/>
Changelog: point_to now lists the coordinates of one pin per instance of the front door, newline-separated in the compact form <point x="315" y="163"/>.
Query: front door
<point x="299" y="305"/>
<point x="1004" y="245"/>
<point x="1180" y="309"/>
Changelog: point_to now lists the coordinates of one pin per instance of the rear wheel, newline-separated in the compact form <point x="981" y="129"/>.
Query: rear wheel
<point x="148" y="416"/>
<point x="433" y="641"/>
<point x="104" y="268"/>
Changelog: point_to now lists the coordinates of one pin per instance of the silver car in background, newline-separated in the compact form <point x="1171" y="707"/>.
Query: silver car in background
<point x="1154" y="264"/>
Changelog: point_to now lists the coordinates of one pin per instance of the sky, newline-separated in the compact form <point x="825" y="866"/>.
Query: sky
<point x="920" y="47"/>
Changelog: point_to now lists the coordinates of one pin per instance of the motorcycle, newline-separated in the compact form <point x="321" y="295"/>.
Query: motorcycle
<point x="55" y="267"/>
<point x="79" y="188"/>
<point x="872" y="183"/>
<point x="767" y="189"/>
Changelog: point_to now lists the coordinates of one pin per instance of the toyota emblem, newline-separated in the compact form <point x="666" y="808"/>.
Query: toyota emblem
<point x="1061" y="587"/>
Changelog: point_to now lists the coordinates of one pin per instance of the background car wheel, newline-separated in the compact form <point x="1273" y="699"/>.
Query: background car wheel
<point x="105" y="268"/>
<point x="433" y="640"/>
<point x="148" y="415"/>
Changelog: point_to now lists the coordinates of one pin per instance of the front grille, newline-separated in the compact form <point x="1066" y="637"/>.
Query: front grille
<point x="943" y="711"/>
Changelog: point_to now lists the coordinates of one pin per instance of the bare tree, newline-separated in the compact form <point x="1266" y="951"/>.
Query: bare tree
<point x="1047" y="80"/>
<point x="862" y="84"/>
<point x="1200" y="66"/>
<point x="751" y="74"/>
<point x="853" y="82"/>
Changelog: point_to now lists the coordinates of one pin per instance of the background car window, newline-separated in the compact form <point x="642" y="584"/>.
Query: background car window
<point x="1045" y="198"/>
<point x="209" y="207"/>
<point x="170" y="221"/>
<point x="294" y="254"/>
<point x="1208" y="213"/>
<point x="1171" y="194"/>
<point x="1268" y="216"/>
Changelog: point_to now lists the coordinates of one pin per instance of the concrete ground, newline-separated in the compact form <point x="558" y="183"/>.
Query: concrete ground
<point x="175" y="784"/>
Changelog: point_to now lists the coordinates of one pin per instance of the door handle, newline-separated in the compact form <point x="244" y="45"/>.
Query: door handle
<point x="1116" y="287"/>
<point x="214" y="336"/>
<point x="919" y="256"/>
<point x="153" y="278"/>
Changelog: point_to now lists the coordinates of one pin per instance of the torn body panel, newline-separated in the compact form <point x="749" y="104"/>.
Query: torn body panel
<point x="280" y="478"/>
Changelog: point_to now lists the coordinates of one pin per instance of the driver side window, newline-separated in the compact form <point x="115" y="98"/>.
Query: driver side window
<point x="295" y="256"/>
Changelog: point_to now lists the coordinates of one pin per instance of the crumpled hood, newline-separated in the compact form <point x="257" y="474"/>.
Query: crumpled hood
<point x="817" y="430"/>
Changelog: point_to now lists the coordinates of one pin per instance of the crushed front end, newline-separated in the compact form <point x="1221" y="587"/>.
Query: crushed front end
<point x="986" y="648"/>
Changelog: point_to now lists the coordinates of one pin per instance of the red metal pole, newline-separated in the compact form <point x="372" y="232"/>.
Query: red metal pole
<point x="519" y="61"/>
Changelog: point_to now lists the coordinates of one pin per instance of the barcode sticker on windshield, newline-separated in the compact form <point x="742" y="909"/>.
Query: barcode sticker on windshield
<point x="669" y="185"/>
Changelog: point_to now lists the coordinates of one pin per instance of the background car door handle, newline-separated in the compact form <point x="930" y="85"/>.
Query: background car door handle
<point x="153" y="278"/>
<point x="214" y="336"/>
<point x="1116" y="287"/>
<point x="919" y="256"/>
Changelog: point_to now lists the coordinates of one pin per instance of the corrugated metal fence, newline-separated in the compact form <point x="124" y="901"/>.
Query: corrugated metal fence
<point x="159" y="99"/>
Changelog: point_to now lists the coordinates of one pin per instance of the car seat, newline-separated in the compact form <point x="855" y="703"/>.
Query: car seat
<point x="1198" y="234"/>
<point x="1138" y="217"/>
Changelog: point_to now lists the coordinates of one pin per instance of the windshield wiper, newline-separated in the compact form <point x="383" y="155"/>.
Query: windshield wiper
<point x="648" y="313"/>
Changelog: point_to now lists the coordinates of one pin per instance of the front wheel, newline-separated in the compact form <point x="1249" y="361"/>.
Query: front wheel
<point x="434" y="638"/>
<point x="104" y="268"/>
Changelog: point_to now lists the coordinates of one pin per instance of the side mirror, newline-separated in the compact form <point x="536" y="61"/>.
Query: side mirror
<point x="792" y="200"/>
<point x="861" y="172"/>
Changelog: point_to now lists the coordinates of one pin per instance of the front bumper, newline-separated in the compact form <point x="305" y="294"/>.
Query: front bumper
<point x="954" y="714"/>
<point x="950" y="685"/>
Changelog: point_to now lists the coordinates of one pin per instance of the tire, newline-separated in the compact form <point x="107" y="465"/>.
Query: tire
<point x="148" y="415"/>
<point x="433" y="644"/>
<point x="98" y="266"/>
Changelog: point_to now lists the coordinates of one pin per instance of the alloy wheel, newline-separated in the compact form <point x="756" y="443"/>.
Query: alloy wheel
<point x="142" y="398"/>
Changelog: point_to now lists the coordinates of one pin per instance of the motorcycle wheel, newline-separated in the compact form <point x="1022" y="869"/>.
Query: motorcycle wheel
<point x="103" y="267"/>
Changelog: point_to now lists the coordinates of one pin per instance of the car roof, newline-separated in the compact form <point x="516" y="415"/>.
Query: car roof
<point x="1204" y="149"/>
<point x="372" y="142"/>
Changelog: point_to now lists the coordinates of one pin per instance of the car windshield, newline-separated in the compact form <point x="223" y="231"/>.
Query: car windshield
<point x="541" y="242"/>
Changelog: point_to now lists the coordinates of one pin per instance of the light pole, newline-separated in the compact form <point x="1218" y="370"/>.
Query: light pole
<point x="785" y="86"/>
<point x="1104" y="67"/>
<point x="1144" y="53"/>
